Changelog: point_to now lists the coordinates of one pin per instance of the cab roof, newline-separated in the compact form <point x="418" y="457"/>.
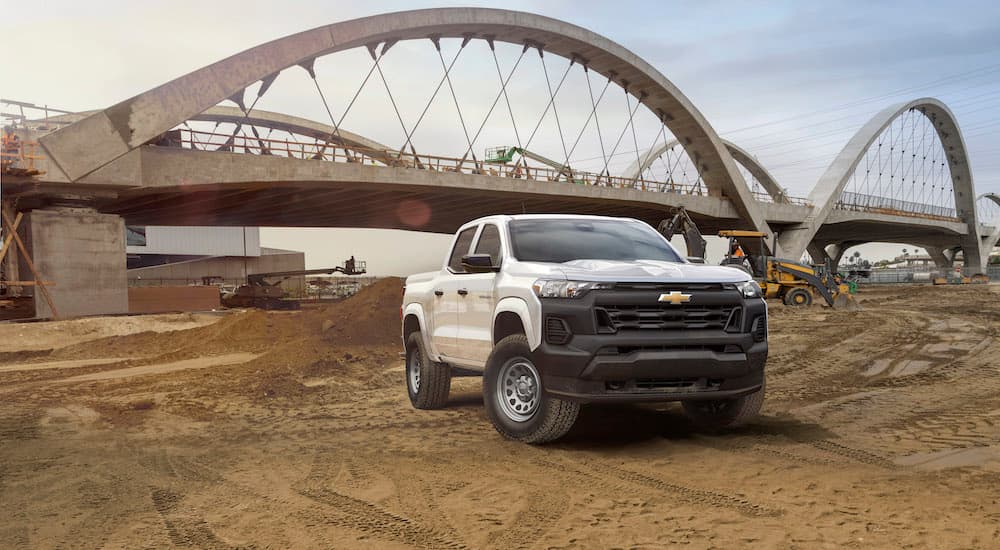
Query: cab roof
<point x="511" y="217"/>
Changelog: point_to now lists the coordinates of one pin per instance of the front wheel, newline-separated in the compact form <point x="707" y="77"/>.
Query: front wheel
<point x="515" y="399"/>
<point x="720" y="414"/>
<point x="798" y="297"/>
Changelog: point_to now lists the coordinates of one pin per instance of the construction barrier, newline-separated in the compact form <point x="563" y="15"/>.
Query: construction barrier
<point x="164" y="299"/>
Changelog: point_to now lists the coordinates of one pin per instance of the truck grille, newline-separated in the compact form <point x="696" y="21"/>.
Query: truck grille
<point x="666" y="317"/>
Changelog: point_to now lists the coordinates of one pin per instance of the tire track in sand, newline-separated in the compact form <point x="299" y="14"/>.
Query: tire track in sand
<point x="591" y="471"/>
<point x="360" y="515"/>
<point x="183" y="529"/>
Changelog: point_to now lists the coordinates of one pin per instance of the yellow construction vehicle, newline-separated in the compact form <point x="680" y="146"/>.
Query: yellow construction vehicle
<point x="796" y="284"/>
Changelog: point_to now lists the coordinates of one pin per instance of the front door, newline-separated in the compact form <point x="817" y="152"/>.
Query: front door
<point x="476" y="306"/>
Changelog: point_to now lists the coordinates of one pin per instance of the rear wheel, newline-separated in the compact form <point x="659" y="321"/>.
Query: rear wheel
<point x="798" y="297"/>
<point x="427" y="382"/>
<point x="720" y="414"/>
<point x="515" y="399"/>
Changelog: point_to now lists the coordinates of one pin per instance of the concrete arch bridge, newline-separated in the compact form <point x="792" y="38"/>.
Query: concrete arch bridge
<point x="587" y="127"/>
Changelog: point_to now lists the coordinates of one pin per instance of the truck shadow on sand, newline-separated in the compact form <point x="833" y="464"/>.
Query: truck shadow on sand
<point x="603" y="426"/>
<point x="617" y="425"/>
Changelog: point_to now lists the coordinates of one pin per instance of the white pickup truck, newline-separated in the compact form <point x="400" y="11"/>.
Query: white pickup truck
<point x="557" y="310"/>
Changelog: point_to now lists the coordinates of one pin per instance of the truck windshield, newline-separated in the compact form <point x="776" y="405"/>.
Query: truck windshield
<point x="565" y="240"/>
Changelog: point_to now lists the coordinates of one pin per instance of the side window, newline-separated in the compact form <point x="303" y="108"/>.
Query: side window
<point x="461" y="249"/>
<point x="489" y="242"/>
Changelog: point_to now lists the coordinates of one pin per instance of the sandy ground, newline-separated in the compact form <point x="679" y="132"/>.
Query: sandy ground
<point x="262" y="430"/>
<point x="21" y="337"/>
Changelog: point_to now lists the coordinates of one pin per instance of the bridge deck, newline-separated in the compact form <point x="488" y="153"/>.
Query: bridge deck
<point x="176" y="186"/>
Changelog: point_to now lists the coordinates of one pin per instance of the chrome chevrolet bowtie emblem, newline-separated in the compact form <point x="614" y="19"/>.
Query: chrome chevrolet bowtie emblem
<point x="675" y="297"/>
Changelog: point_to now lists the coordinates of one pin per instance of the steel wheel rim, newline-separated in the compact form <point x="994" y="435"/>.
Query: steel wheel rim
<point x="413" y="370"/>
<point x="518" y="389"/>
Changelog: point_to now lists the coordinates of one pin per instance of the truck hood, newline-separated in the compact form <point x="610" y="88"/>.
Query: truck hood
<point x="649" y="271"/>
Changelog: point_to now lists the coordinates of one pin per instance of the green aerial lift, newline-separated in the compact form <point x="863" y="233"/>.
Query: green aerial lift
<point x="505" y="154"/>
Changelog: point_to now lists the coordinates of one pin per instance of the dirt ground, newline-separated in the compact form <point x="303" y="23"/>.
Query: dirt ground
<point x="292" y="429"/>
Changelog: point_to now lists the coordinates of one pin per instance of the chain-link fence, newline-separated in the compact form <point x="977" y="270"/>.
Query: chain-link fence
<point x="921" y="275"/>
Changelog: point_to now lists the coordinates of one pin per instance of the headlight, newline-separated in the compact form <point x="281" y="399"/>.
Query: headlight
<point x="558" y="288"/>
<point x="749" y="289"/>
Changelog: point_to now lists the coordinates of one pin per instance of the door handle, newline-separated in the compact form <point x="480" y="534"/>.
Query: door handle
<point x="462" y="292"/>
<point x="439" y="293"/>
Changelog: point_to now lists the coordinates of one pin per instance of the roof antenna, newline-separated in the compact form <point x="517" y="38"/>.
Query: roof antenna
<point x="523" y="211"/>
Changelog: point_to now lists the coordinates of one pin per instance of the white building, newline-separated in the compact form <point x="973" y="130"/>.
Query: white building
<point x="175" y="255"/>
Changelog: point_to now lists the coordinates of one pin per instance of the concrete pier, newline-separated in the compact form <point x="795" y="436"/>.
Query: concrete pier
<point x="83" y="253"/>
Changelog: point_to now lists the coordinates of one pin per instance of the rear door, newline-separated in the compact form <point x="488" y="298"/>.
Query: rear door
<point x="445" y="297"/>
<point x="475" y="311"/>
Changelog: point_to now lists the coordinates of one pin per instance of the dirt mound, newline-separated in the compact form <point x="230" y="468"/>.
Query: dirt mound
<point x="349" y="343"/>
<point x="370" y="317"/>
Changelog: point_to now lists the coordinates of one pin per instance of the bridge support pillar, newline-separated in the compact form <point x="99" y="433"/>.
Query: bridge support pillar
<point x="941" y="258"/>
<point x="818" y="253"/>
<point x="834" y="252"/>
<point x="837" y="250"/>
<point x="82" y="254"/>
<point x="973" y="256"/>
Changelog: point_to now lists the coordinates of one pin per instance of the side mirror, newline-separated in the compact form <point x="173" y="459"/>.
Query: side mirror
<point x="696" y="259"/>
<point x="479" y="263"/>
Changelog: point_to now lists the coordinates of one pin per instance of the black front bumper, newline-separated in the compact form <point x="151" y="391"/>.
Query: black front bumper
<point x="648" y="365"/>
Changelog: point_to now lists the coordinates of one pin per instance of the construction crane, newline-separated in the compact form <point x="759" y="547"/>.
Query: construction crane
<point x="263" y="292"/>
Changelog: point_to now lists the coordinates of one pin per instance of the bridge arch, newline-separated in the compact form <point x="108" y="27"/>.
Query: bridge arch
<point x="95" y="141"/>
<point x="740" y="155"/>
<point x="264" y="119"/>
<point x="828" y="190"/>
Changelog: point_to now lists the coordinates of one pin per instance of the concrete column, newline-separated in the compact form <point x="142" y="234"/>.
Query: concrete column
<point x="973" y="255"/>
<point x="83" y="253"/>
<point x="940" y="256"/>
<point x="818" y="253"/>
<point x="837" y="251"/>
<point x="833" y="252"/>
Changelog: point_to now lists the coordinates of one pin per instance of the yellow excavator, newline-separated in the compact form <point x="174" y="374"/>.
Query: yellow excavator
<point x="796" y="284"/>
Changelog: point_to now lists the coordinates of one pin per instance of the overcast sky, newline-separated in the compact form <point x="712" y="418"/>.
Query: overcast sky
<point x="788" y="81"/>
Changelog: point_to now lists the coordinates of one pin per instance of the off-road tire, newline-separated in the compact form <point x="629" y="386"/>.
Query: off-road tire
<point x="551" y="419"/>
<point x="798" y="297"/>
<point x="716" y="415"/>
<point x="433" y="381"/>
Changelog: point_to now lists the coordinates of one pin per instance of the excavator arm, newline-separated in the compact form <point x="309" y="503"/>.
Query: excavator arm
<point x="680" y="222"/>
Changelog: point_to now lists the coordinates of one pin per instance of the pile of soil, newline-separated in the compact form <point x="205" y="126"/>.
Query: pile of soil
<point x="370" y="317"/>
<point x="343" y="346"/>
<point x="351" y="342"/>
